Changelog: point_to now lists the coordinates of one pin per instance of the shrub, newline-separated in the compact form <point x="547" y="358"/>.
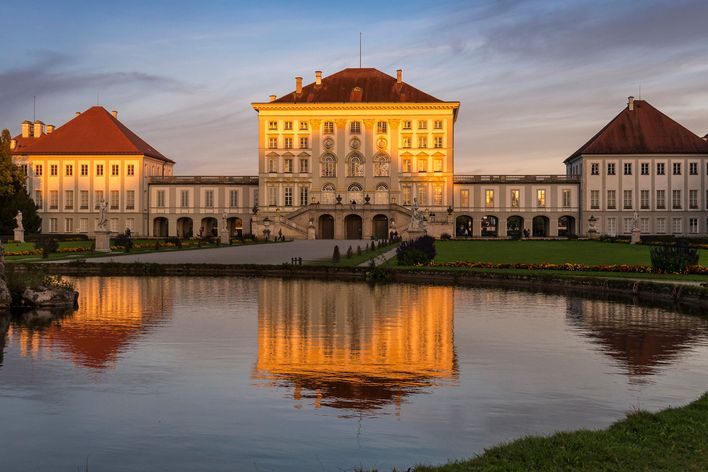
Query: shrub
<point x="48" y="246"/>
<point x="350" y="252"/>
<point x="445" y="236"/>
<point x="174" y="241"/>
<point x="673" y="258"/>
<point x="358" y="250"/>
<point x="418" y="251"/>
<point x="124" y="241"/>
<point x="336" y="257"/>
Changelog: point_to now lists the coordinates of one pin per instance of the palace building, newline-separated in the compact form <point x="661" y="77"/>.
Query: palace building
<point x="349" y="156"/>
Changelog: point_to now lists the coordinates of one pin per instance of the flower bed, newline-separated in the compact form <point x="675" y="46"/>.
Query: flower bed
<point x="696" y="269"/>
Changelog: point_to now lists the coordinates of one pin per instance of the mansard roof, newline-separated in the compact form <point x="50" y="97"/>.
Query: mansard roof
<point x="358" y="85"/>
<point x="643" y="130"/>
<point x="94" y="131"/>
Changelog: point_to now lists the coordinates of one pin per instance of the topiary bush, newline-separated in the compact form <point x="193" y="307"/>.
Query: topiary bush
<point x="418" y="251"/>
<point x="674" y="258"/>
<point x="336" y="257"/>
<point x="350" y="252"/>
<point x="48" y="246"/>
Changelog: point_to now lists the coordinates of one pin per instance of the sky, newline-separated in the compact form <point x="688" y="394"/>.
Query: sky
<point x="536" y="79"/>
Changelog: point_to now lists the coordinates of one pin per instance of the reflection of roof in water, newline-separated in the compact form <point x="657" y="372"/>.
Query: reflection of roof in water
<point x="346" y="351"/>
<point x="640" y="338"/>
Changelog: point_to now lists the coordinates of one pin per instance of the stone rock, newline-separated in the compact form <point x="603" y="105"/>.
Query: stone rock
<point x="43" y="297"/>
<point x="5" y="297"/>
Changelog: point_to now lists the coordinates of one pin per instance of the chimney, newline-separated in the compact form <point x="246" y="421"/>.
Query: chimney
<point x="50" y="129"/>
<point x="318" y="77"/>
<point x="114" y="113"/>
<point x="77" y="114"/>
<point x="26" y="131"/>
<point x="630" y="103"/>
<point x="13" y="144"/>
<point x="399" y="76"/>
<point x="271" y="98"/>
<point x="298" y="85"/>
<point x="38" y="128"/>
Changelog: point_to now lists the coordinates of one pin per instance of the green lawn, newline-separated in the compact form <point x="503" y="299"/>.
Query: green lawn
<point x="579" y="252"/>
<point x="355" y="260"/>
<point x="671" y="440"/>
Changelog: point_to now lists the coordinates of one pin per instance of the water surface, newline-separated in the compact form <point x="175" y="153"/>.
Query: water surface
<point x="185" y="374"/>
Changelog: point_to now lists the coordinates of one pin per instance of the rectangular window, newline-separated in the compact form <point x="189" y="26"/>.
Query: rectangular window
<point x="328" y="127"/>
<point x="627" y="200"/>
<point x="627" y="168"/>
<point x="273" y="165"/>
<point x="611" y="168"/>
<point x="693" y="199"/>
<point x="676" y="199"/>
<point x="233" y="198"/>
<point x="407" y="165"/>
<point x="288" y="125"/>
<point x="628" y="224"/>
<point x="69" y="225"/>
<point x="437" y="124"/>
<point x="437" y="194"/>
<point x="68" y="199"/>
<point x="515" y="198"/>
<point x="422" y="192"/>
<point x="661" y="199"/>
<point x="273" y="196"/>
<point x="53" y="199"/>
<point x="83" y="225"/>
<point x="541" y="198"/>
<point x="115" y="170"/>
<point x="304" y="165"/>
<point x="422" y="124"/>
<point x="676" y="168"/>
<point x="209" y="198"/>
<point x="84" y="200"/>
<point x="406" y="142"/>
<point x="53" y="169"/>
<point x="160" y="199"/>
<point x="566" y="198"/>
<point x="381" y="127"/>
<point x="184" y="198"/>
<point x="438" y="142"/>
<point x="693" y="225"/>
<point x="304" y="196"/>
<point x="611" y="200"/>
<point x="38" y="170"/>
<point x="38" y="199"/>
<point x="304" y="126"/>
<point x="355" y="127"/>
<point x="131" y="169"/>
<point x="489" y="198"/>
<point x="84" y="170"/>
<point x="304" y="143"/>
<point x="661" y="225"/>
<point x="287" y="165"/>
<point x="422" y="142"/>
<point x="52" y="225"/>
<point x="595" y="168"/>
<point x="69" y="170"/>
<point x="99" y="170"/>
<point x="660" y="168"/>
<point x="422" y="165"/>
<point x="272" y="142"/>
<point x="288" y="196"/>
<point x="644" y="225"/>
<point x="406" y="124"/>
<point x="676" y="225"/>
<point x="272" y="125"/>
<point x="612" y="226"/>
<point x="113" y="223"/>
<point x="115" y="199"/>
<point x="644" y="199"/>
<point x="288" y="142"/>
<point x="130" y="200"/>
<point x="465" y="198"/>
<point x="437" y="165"/>
<point x="405" y="195"/>
<point x="693" y="168"/>
<point x="130" y="224"/>
<point x="99" y="198"/>
<point x="594" y="199"/>
<point x="644" y="168"/>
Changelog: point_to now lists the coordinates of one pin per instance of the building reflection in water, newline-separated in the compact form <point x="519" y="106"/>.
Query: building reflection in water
<point x="113" y="311"/>
<point x="641" y="339"/>
<point x="353" y="347"/>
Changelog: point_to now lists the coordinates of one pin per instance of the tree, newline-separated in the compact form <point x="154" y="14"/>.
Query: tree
<point x="13" y="194"/>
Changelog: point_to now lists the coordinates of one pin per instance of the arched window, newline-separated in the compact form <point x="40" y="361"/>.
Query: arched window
<point x="329" y="166"/>
<point x="328" y="194"/>
<point x="355" y="193"/>
<point x="381" y="165"/>
<point x="381" y="195"/>
<point x="356" y="166"/>
<point x="354" y="188"/>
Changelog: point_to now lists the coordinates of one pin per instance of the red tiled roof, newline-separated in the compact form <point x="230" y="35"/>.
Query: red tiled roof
<point x="358" y="85"/>
<point x="94" y="131"/>
<point x="644" y="130"/>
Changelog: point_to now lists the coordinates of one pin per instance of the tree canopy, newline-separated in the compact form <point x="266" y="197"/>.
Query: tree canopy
<point x="13" y="194"/>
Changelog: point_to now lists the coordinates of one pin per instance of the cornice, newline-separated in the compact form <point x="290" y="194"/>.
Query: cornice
<point x="258" y="106"/>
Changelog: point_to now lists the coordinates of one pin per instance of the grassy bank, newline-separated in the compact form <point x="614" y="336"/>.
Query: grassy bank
<point x="671" y="440"/>
<point x="554" y="252"/>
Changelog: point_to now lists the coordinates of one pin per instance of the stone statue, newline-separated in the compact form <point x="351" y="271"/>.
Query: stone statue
<point x="591" y="225"/>
<point x="225" y="221"/>
<point x="417" y="223"/>
<point x="635" y="222"/>
<point x="18" y="219"/>
<point x="102" y="217"/>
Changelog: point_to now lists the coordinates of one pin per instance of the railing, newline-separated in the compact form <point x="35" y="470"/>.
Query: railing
<point x="204" y="179"/>
<point x="472" y="179"/>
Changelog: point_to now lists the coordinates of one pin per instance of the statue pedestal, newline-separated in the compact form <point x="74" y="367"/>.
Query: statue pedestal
<point x="635" y="236"/>
<point x="103" y="240"/>
<point x="311" y="232"/>
<point x="593" y="234"/>
<point x="412" y="234"/>
<point x="19" y="235"/>
<point x="225" y="237"/>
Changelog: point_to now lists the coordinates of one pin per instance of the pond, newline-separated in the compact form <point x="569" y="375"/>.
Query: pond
<point x="183" y="374"/>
